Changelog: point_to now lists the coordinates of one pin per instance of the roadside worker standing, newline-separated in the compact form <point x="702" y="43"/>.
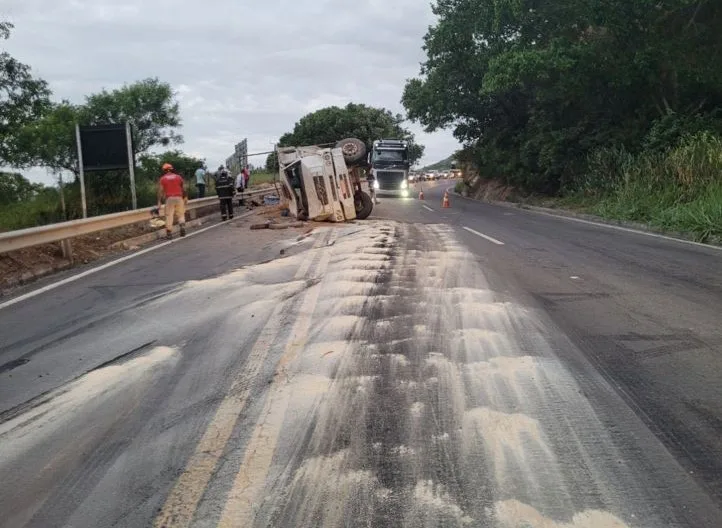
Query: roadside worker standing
<point x="240" y="187"/>
<point x="171" y="187"/>
<point x="246" y="177"/>
<point x="240" y="182"/>
<point x="371" y="180"/>
<point x="201" y="181"/>
<point x="224" y="188"/>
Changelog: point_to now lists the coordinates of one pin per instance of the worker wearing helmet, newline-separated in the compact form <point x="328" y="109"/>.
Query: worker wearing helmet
<point x="172" y="188"/>
<point x="224" y="189"/>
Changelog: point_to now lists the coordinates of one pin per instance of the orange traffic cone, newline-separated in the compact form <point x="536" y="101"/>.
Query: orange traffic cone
<point x="421" y="194"/>
<point x="445" y="202"/>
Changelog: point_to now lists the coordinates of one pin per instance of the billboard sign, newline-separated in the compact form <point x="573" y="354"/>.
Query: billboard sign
<point x="105" y="147"/>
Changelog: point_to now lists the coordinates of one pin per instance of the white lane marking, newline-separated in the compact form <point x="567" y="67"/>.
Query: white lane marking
<point x="628" y="230"/>
<point x="240" y="507"/>
<point x="427" y="208"/>
<point x="574" y="277"/>
<point x="486" y="237"/>
<point x="107" y="265"/>
<point x="608" y="226"/>
<point x="182" y="502"/>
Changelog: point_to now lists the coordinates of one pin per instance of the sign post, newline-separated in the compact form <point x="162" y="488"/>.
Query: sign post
<point x="105" y="147"/>
<point x="239" y="159"/>
<point x="81" y="171"/>
<point x="131" y="164"/>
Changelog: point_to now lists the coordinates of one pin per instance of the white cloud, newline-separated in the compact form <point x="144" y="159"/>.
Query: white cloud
<point x="240" y="68"/>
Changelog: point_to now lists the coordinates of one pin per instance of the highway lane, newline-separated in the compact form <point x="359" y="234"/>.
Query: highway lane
<point x="645" y="310"/>
<point x="404" y="371"/>
<point x="30" y="329"/>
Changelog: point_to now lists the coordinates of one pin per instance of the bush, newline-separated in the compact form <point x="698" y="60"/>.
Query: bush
<point x="606" y="170"/>
<point x="667" y="131"/>
<point x="43" y="209"/>
<point x="679" y="189"/>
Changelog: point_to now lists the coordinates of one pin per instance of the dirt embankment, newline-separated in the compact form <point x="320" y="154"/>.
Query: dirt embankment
<point x="479" y="188"/>
<point x="25" y="265"/>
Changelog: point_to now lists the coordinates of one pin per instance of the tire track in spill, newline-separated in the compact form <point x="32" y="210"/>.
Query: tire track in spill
<point x="182" y="502"/>
<point x="239" y="508"/>
<point x="445" y="407"/>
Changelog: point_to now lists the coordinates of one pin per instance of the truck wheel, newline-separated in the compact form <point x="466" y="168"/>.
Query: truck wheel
<point x="354" y="150"/>
<point x="364" y="205"/>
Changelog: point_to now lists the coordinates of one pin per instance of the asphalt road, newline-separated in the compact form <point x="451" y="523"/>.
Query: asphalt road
<point x="470" y="366"/>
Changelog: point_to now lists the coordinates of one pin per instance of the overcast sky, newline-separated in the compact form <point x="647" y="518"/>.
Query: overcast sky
<point x="241" y="68"/>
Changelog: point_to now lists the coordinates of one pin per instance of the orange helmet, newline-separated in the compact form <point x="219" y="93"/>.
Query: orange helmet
<point x="167" y="167"/>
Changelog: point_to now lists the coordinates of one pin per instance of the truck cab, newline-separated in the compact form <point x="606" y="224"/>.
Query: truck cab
<point x="324" y="184"/>
<point x="315" y="183"/>
<point x="389" y="162"/>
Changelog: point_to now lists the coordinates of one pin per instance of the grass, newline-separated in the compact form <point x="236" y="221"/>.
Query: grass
<point x="262" y="177"/>
<point x="30" y="214"/>
<point x="678" y="191"/>
<point x="700" y="216"/>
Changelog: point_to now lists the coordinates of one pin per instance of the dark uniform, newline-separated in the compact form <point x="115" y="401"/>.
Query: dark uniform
<point x="224" y="188"/>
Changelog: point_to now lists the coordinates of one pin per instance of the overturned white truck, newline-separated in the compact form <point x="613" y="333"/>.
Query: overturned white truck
<point x="324" y="184"/>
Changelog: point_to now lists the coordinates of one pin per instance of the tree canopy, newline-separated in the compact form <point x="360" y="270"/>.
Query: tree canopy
<point x="149" y="105"/>
<point x="16" y="188"/>
<point x="150" y="165"/>
<point x="328" y="125"/>
<point x="23" y="98"/>
<point x="534" y="87"/>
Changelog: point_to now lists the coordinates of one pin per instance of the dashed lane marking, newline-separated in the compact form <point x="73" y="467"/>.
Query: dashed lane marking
<point x="427" y="208"/>
<point x="485" y="237"/>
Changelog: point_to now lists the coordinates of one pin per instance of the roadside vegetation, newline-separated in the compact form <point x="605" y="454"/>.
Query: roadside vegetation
<point x="444" y="164"/>
<point x="678" y="189"/>
<point x="612" y="106"/>
<point x="36" y="131"/>
<point x="331" y="124"/>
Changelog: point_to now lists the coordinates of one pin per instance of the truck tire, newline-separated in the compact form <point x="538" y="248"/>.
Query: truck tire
<point x="363" y="204"/>
<point x="354" y="150"/>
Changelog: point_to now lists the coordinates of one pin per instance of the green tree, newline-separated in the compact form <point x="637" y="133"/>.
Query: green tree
<point x="150" y="165"/>
<point x="15" y="188"/>
<point x="148" y="105"/>
<point x="50" y="140"/>
<point x="272" y="162"/>
<point x="23" y="99"/>
<point x="534" y="87"/>
<point x="328" y="125"/>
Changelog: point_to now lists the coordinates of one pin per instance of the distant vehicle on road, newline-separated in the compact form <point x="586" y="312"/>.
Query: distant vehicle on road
<point x="389" y="162"/>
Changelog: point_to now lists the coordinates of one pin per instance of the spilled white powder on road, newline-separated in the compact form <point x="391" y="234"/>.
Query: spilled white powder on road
<point x="514" y="514"/>
<point x="416" y="396"/>
<point x="88" y="392"/>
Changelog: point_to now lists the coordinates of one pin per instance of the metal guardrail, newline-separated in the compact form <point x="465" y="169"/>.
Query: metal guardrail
<point x="33" y="236"/>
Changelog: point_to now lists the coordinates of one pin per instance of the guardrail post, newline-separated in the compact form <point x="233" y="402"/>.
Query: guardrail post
<point x="67" y="247"/>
